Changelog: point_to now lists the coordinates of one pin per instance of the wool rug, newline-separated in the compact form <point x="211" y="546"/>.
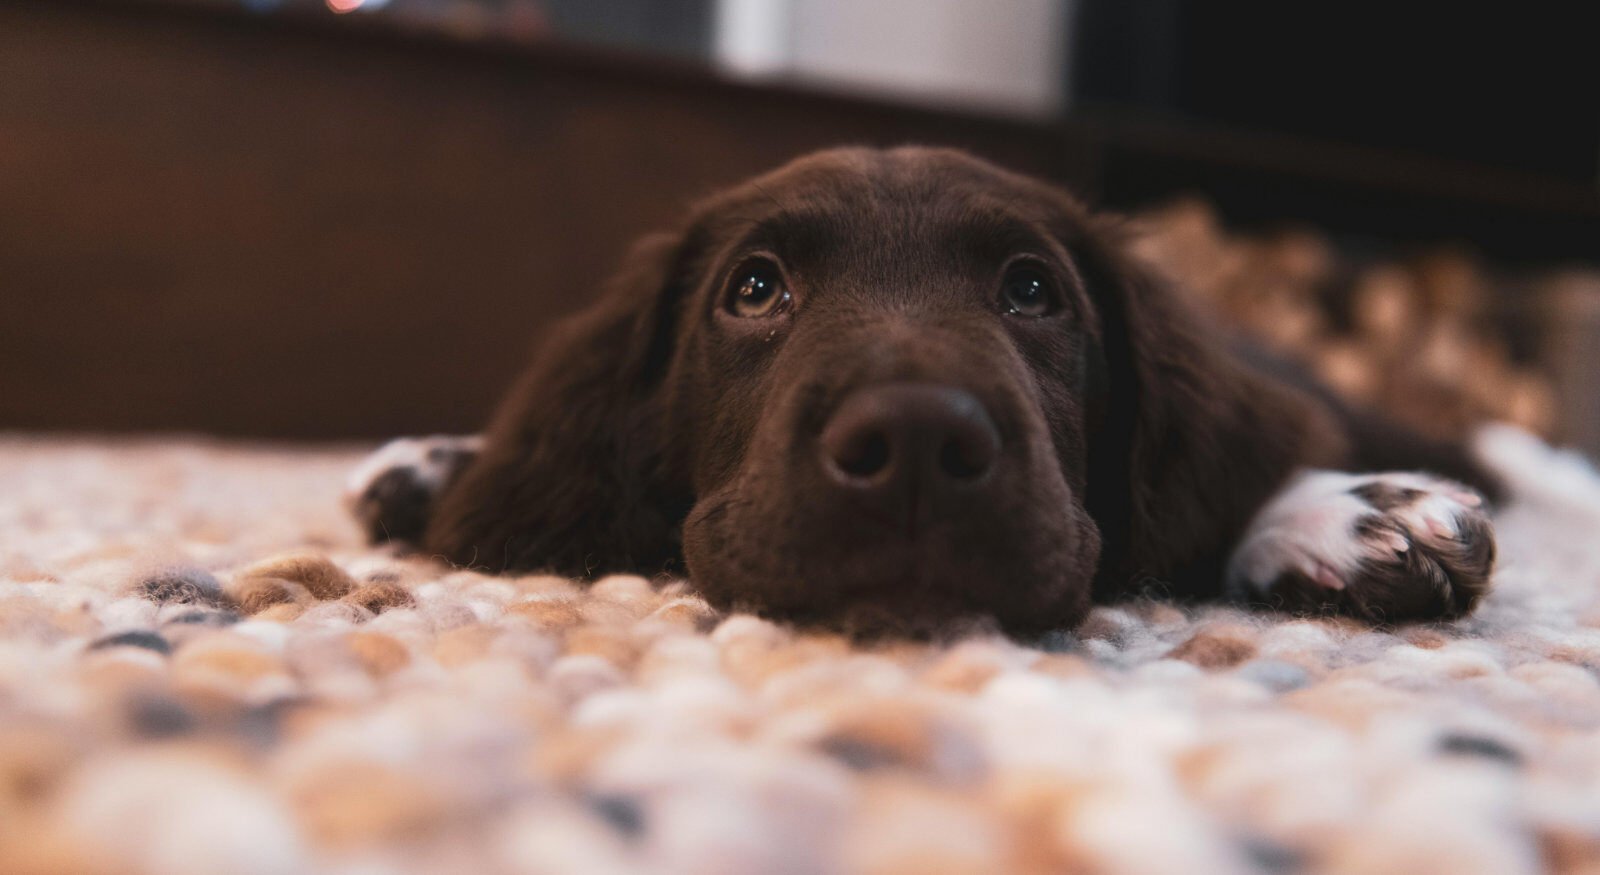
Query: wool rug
<point x="203" y="670"/>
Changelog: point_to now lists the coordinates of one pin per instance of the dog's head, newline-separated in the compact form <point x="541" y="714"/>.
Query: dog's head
<point x="897" y="386"/>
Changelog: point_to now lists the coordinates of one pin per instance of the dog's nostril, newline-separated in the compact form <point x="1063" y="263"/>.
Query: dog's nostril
<point x="891" y="437"/>
<point x="865" y="456"/>
<point x="963" y="461"/>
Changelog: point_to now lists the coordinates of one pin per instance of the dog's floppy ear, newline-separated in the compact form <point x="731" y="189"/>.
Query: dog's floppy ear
<point x="572" y="477"/>
<point x="1191" y="439"/>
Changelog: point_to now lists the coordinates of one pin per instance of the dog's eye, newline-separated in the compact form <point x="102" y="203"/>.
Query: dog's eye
<point x="758" y="290"/>
<point x="1027" y="291"/>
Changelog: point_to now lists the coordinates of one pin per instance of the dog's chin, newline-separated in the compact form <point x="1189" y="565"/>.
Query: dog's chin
<point x="902" y="608"/>
<point x="929" y="617"/>
<point x="941" y="584"/>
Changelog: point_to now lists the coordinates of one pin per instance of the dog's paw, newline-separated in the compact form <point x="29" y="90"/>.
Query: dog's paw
<point x="1383" y="547"/>
<point x="391" y="492"/>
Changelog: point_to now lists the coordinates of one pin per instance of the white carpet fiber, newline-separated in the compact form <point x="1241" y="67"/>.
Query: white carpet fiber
<point x="203" y="670"/>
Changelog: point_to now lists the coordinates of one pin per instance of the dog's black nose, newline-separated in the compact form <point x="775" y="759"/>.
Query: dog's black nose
<point x="902" y="445"/>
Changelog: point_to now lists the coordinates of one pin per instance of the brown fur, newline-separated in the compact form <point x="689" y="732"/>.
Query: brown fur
<point x="654" y="427"/>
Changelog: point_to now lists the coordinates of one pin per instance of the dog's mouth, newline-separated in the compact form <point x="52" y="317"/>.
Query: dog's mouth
<point x="805" y="565"/>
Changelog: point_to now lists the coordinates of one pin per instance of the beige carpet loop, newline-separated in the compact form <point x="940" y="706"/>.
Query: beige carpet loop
<point x="203" y="670"/>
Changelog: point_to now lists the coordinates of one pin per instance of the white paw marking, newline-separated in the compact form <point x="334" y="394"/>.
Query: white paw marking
<point x="1310" y="528"/>
<point x="432" y="461"/>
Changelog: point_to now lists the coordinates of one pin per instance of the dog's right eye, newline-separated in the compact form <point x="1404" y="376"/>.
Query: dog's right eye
<point x="757" y="290"/>
<point x="1026" y="291"/>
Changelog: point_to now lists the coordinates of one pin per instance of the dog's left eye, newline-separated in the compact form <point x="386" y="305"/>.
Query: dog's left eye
<point x="757" y="289"/>
<point x="1027" y="291"/>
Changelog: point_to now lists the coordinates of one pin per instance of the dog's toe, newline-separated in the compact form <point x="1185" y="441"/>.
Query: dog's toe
<point x="391" y="493"/>
<point x="1446" y="569"/>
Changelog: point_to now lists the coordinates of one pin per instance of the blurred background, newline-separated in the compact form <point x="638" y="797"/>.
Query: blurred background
<point x="323" y="219"/>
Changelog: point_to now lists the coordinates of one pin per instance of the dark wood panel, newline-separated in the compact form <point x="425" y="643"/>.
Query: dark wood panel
<point x="323" y="228"/>
<point x="219" y="225"/>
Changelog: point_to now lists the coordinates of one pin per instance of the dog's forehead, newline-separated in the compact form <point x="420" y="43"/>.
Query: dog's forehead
<point x="891" y="184"/>
<point x="854" y="210"/>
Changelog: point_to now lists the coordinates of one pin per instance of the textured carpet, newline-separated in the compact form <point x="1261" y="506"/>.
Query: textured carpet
<point x="202" y="670"/>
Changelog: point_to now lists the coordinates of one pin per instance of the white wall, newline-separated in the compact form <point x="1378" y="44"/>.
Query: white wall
<point x="1004" y="56"/>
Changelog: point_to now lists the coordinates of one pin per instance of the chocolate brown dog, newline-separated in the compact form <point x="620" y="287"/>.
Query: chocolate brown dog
<point x="897" y="387"/>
